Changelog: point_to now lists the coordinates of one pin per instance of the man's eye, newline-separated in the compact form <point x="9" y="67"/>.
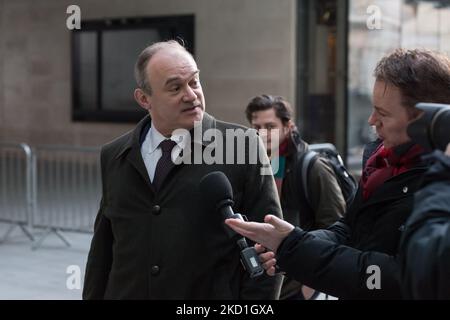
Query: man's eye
<point x="381" y="114"/>
<point x="195" y="83"/>
<point x="174" y="89"/>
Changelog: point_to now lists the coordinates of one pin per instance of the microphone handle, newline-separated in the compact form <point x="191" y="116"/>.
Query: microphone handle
<point x="249" y="257"/>
<point x="227" y="213"/>
<point x="242" y="243"/>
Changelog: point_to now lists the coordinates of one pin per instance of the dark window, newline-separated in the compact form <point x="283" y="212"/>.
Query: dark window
<point x="103" y="56"/>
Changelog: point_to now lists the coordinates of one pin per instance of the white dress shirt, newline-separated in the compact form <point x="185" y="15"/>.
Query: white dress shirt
<point x="151" y="152"/>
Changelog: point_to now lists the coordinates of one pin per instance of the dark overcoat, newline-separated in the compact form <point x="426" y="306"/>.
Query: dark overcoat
<point x="167" y="244"/>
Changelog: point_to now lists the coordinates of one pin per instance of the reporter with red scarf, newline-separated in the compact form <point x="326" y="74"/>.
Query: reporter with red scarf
<point x="356" y="258"/>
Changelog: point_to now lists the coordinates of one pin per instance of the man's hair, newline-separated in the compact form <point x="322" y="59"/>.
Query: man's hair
<point x="283" y="109"/>
<point x="421" y="75"/>
<point x="144" y="57"/>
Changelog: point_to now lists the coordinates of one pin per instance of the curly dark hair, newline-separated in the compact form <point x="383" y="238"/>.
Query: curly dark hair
<point x="283" y="109"/>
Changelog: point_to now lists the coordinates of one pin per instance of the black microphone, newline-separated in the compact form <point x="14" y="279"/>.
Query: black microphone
<point x="218" y="196"/>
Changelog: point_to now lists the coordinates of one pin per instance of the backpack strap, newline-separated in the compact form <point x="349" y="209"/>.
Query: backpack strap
<point x="305" y="164"/>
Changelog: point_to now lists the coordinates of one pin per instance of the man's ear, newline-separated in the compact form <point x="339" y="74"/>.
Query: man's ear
<point x="289" y="126"/>
<point x="142" y="99"/>
<point x="415" y="114"/>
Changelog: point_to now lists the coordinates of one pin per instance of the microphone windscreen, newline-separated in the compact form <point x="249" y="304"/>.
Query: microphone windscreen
<point x="215" y="188"/>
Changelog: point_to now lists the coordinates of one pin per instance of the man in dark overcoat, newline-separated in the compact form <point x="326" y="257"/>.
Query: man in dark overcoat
<point x="154" y="238"/>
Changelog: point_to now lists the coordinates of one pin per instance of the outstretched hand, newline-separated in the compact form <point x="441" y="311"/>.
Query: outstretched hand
<point x="269" y="234"/>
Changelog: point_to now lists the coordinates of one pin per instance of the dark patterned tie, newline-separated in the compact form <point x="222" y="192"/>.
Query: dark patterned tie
<point x="164" y="164"/>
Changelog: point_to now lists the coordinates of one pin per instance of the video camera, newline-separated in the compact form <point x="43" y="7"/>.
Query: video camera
<point x="432" y="129"/>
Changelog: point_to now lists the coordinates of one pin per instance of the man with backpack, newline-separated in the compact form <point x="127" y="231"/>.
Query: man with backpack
<point x="308" y="186"/>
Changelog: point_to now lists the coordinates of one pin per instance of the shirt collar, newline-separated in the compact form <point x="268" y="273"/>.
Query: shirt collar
<point x="154" y="138"/>
<point x="181" y="138"/>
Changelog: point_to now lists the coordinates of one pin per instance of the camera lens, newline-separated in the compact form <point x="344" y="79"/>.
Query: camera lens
<point x="440" y="129"/>
<point x="432" y="129"/>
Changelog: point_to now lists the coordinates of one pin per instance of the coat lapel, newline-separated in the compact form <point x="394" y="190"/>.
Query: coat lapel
<point x="132" y="151"/>
<point x="135" y="158"/>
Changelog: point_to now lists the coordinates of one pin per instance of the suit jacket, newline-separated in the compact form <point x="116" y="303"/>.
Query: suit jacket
<point x="166" y="244"/>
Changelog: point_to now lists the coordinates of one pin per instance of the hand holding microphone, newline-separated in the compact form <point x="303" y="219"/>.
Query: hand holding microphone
<point x="219" y="197"/>
<point x="267" y="258"/>
<point x="267" y="235"/>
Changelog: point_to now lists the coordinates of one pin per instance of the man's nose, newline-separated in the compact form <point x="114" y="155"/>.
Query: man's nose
<point x="189" y="94"/>
<point x="263" y="133"/>
<point x="372" y="119"/>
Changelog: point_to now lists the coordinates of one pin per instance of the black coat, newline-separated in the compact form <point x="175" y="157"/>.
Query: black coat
<point x="326" y="204"/>
<point x="425" y="247"/>
<point x="167" y="245"/>
<point x="336" y="260"/>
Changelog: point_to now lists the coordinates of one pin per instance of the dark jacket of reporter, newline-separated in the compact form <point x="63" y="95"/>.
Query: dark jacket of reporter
<point x="337" y="260"/>
<point x="425" y="246"/>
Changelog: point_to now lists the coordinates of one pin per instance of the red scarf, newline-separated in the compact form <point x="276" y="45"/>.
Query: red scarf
<point x="284" y="148"/>
<point x="283" y="151"/>
<point x="386" y="163"/>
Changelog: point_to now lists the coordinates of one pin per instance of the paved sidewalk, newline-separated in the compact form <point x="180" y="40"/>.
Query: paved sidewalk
<point x="40" y="274"/>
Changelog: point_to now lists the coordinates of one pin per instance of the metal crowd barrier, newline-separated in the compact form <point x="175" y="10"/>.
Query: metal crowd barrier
<point x="68" y="192"/>
<point x="16" y="188"/>
<point x="55" y="188"/>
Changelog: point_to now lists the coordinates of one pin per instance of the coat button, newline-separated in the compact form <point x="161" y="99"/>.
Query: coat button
<point x="155" y="270"/>
<point x="405" y="190"/>
<point x="156" y="210"/>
